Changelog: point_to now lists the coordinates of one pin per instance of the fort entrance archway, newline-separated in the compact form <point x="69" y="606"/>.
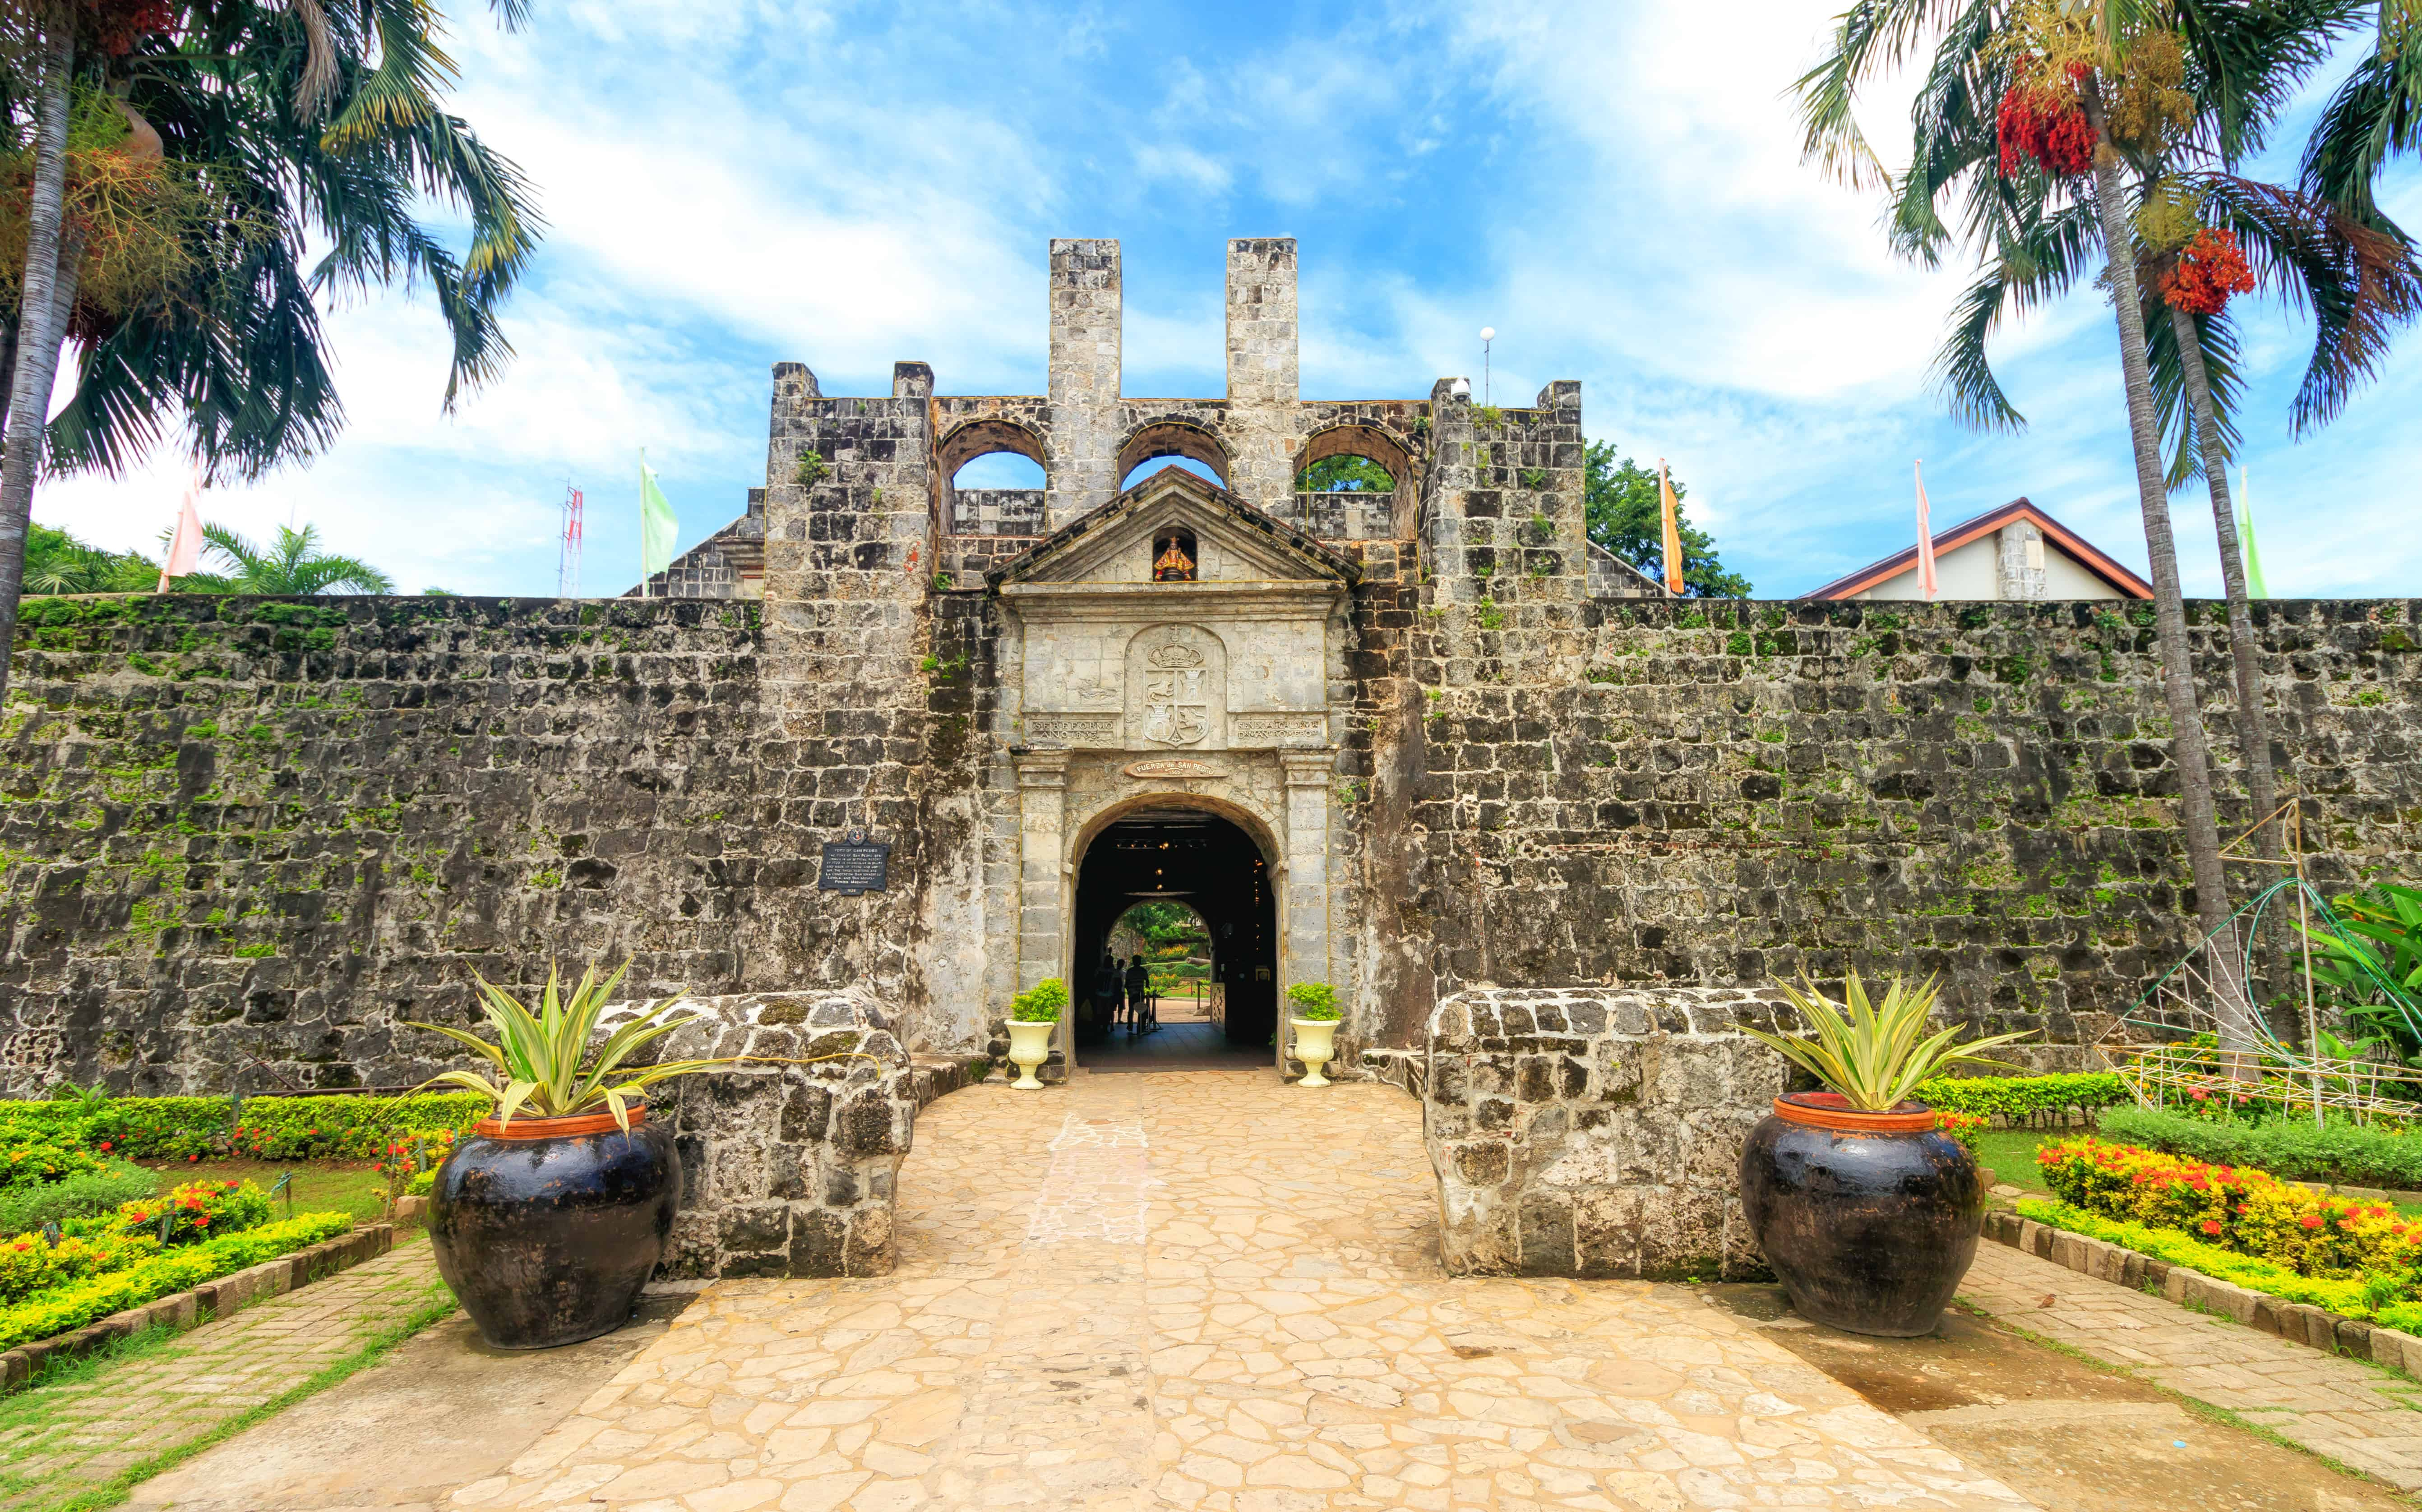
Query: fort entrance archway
<point x="1168" y="848"/>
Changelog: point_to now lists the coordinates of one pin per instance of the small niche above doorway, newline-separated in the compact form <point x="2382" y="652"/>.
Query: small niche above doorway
<point x="1175" y="558"/>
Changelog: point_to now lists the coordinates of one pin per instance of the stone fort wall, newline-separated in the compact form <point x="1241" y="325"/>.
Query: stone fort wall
<point x="244" y="838"/>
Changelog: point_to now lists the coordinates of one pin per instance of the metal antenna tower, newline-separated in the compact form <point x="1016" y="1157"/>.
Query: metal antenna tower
<point x="567" y="563"/>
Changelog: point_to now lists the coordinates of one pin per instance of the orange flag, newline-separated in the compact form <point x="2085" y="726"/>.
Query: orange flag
<point x="1673" y="552"/>
<point x="1926" y="582"/>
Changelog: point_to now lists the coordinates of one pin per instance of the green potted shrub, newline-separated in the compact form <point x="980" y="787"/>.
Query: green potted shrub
<point x="1314" y="1014"/>
<point x="1864" y="1206"/>
<point x="549" y="1220"/>
<point x="1033" y="1018"/>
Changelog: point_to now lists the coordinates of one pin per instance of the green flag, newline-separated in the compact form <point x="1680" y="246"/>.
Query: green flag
<point x="2255" y="587"/>
<point x="657" y="526"/>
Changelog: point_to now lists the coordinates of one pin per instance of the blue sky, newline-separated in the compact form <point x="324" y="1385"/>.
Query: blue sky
<point x="728" y="185"/>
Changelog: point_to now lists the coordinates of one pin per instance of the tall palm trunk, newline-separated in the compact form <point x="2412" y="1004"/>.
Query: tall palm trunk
<point x="2252" y="727"/>
<point x="2198" y="820"/>
<point x="42" y="321"/>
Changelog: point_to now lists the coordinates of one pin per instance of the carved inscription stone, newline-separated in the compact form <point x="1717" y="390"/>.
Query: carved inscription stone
<point x="1072" y="730"/>
<point x="1278" y="730"/>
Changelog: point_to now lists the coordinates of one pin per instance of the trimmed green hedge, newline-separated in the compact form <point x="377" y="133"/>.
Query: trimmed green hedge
<point x="86" y="1302"/>
<point x="2348" y="1298"/>
<point x="2293" y="1149"/>
<point x="2017" y="1097"/>
<point x="340" y="1126"/>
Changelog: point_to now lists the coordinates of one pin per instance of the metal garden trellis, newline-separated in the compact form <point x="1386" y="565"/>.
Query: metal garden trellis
<point x="2269" y="1069"/>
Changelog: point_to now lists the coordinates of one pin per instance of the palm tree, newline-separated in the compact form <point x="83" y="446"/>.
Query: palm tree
<point x="44" y="37"/>
<point x="295" y="566"/>
<point x="2111" y="87"/>
<point x="317" y="125"/>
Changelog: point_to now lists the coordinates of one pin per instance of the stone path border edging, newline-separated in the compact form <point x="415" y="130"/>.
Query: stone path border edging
<point x="183" y="1310"/>
<point x="2296" y="1322"/>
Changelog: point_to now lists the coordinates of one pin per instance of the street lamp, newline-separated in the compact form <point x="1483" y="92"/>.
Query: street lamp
<point x="1487" y="334"/>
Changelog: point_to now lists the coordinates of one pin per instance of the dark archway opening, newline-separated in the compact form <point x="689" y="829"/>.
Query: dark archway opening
<point x="1212" y="866"/>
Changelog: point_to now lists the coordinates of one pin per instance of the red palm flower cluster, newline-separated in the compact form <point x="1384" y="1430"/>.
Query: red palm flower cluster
<point x="2048" y="125"/>
<point x="2210" y="269"/>
<point x="116" y="25"/>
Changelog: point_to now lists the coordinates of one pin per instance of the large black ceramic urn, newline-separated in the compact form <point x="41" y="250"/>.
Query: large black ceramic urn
<point x="1869" y="1218"/>
<point x="547" y="1228"/>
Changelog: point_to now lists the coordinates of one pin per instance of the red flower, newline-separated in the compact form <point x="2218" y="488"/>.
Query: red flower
<point x="2212" y="1226"/>
<point x="2311" y="1221"/>
<point x="2199" y="1094"/>
<point x="104" y="1144"/>
<point x="191" y="1159"/>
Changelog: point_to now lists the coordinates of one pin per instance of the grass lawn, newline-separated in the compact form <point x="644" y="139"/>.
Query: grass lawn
<point x="320" y="1186"/>
<point x="2010" y="1154"/>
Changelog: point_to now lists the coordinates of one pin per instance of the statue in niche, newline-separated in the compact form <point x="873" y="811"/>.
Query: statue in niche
<point x="1173" y="557"/>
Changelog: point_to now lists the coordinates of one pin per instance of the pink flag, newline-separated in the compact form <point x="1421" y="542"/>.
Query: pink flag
<point x="1926" y="582"/>
<point x="185" y="546"/>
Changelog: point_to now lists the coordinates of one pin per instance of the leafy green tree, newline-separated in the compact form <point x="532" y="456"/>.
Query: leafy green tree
<point x="1627" y="517"/>
<point x="1345" y="475"/>
<point x="295" y="566"/>
<point x="56" y="562"/>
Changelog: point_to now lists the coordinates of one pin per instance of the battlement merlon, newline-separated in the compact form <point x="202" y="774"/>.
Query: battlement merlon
<point x="1458" y="485"/>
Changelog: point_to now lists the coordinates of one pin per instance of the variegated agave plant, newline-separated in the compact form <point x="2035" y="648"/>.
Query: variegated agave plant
<point x="1874" y="1054"/>
<point x="543" y="1058"/>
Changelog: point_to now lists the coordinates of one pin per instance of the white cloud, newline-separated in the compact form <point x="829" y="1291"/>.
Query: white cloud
<point x="1617" y="191"/>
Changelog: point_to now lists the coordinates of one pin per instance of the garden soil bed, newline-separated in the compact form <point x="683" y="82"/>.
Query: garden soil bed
<point x="2064" y="1434"/>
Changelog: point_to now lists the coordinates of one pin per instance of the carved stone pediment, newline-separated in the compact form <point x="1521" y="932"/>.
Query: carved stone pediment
<point x="1113" y="546"/>
<point x="1238" y="659"/>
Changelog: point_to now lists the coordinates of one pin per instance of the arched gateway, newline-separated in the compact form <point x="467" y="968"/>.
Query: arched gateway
<point x="1175" y="737"/>
<point x="1213" y="858"/>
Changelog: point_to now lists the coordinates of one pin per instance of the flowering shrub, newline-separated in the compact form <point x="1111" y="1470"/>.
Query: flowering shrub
<point x="409" y="1159"/>
<point x="29" y="1264"/>
<point x="341" y="1126"/>
<point x="58" y="1309"/>
<point x="30" y="1156"/>
<point x="1963" y="1127"/>
<point x="199" y="1210"/>
<point x="2236" y="1207"/>
<point x="2296" y="1148"/>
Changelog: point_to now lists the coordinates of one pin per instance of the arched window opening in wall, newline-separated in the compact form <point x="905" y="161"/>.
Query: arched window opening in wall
<point x="1345" y="473"/>
<point x="1354" y="480"/>
<point x="1175" y="558"/>
<point x="996" y="471"/>
<point x="1158" y="445"/>
<point x="1000" y="470"/>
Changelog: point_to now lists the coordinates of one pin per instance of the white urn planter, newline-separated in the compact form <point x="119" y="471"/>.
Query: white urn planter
<point x="1030" y="1045"/>
<point x="1315" y="1045"/>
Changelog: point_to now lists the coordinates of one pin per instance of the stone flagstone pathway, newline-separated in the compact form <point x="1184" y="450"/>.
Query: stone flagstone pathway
<point x="2351" y="1411"/>
<point x="1207" y="1290"/>
<point x="69" y="1438"/>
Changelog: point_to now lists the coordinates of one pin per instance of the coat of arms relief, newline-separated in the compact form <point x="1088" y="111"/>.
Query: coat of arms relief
<point x="1177" y="697"/>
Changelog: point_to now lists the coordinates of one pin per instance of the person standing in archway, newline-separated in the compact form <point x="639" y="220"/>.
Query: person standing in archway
<point x="1109" y="983"/>
<point x="1138" y="988"/>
